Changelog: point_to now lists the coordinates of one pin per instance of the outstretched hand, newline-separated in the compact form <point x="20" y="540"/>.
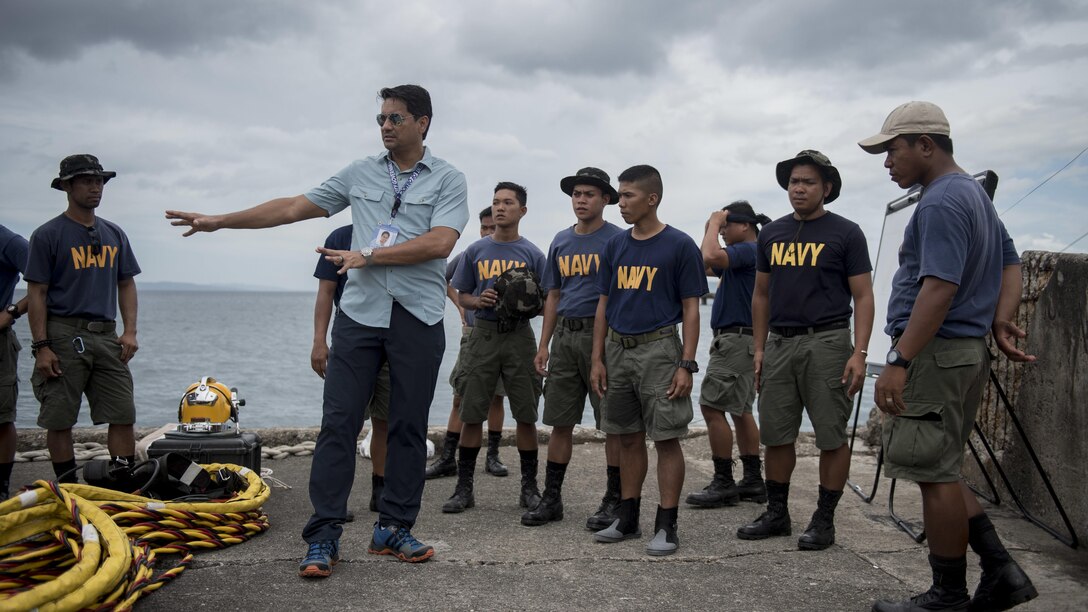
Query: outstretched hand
<point x="196" y="222"/>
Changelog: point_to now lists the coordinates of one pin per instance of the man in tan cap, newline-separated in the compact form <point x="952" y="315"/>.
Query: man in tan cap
<point x="958" y="277"/>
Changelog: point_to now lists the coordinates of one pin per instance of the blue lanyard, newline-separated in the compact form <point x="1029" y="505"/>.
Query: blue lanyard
<point x="397" y="191"/>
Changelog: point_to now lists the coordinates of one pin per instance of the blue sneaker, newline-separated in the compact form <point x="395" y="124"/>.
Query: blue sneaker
<point x="399" y="542"/>
<point x="320" y="558"/>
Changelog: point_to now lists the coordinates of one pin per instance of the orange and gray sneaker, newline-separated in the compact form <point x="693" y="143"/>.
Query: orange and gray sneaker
<point x="399" y="542"/>
<point x="320" y="557"/>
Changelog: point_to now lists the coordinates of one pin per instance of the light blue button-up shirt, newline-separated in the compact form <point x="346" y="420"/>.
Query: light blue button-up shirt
<point x="438" y="197"/>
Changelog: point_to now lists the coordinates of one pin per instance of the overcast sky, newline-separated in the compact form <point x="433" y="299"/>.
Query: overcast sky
<point x="212" y="106"/>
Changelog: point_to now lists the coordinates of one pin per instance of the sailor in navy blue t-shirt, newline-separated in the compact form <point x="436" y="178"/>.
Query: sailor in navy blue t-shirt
<point x="570" y="280"/>
<point x="80" y="270"/>
<point x="445" y="462"/>
<point x="497" y="349"/>
<point x="958" y="278"/>
<point x="810" y="265"/>
<point x="651" y="278"/>
<point x="729" y="382"/>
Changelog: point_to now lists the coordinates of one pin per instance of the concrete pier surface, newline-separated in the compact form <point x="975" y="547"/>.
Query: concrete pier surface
<point x="486" y="560"/>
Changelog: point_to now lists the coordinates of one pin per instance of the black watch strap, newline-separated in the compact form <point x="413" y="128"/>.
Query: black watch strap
<point x="689" y="365"/>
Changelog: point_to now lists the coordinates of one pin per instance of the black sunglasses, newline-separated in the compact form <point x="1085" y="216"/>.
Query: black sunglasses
<point x="396" y="118"/>
<point x="96" y="241"/>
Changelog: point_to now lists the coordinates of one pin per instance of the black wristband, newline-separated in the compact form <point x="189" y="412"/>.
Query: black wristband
<point x="37" y="344"/>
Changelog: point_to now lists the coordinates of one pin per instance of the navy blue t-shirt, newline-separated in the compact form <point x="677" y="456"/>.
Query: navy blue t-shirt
<point x="646" y="281"/>
<point x="954" y="235"/>
<point x="451" y="267"/>
<point x="733" y="300"/>
<point x="14" y="250"/>
<point x="810" y="270"/>
<point x="573" y="262"/>
<point x="339" y="239"/>
<point x="81" y="283"/>
<point x="484" y="260"/>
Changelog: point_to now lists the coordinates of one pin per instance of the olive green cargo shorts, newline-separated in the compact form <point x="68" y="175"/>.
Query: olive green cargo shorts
<point x="96" y="371"/>
<point x="636" y="399"/>
<point x="944" y="387"/>
<point x="457" y="374"/>
<point x="378" y="407"/>
<point x="9" y="376"/>
<point x="805" y="373"/>
<point x="491" y="356"/>
<point x="567" y="384"/>
<point x="729" y="384"/>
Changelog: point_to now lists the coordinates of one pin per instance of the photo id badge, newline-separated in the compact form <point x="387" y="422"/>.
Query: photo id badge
<point x="384" y="235"/>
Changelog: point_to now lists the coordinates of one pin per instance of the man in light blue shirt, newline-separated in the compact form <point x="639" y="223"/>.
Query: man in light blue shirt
<point x="391" y="311"/>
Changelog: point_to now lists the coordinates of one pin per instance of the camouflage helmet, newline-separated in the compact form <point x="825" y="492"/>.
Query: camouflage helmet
<point x="520" y="294"/>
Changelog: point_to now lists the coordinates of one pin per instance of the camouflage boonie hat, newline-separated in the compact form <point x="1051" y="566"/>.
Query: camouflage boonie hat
<point x="520" y="294"/>
<point x="810" y="156"/>
<point x="591" y="176"/>
<point x="82" y="163"/>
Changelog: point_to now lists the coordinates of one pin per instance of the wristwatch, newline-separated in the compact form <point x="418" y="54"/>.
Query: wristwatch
<point x="368" y="254"/>
<point x="690" y="366"/>
<point x="895" y="358"/>
<point x="13" y="310"/>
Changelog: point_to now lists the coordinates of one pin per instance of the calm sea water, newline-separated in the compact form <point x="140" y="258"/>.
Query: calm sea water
<point x="259" y="343"/>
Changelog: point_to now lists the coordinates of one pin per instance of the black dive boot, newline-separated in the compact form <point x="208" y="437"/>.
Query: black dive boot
<point x="949" y="590"/>
<point x="751" y="487"/>
<point x="530" y="492"/>
<point x="606" y="512"/>
<point x="820" y="532"/>
<point x="550" y="507"/>
<point x="1003" y="584"/>
<point x="665" y="541"/>
<point x="492" y="465"/>
<point x="625" y="525"/>
<point x="445" y="464"/>
<point x="776" y="520"/>
<point x="462" y="497"/>
<point x="722" y="490"/>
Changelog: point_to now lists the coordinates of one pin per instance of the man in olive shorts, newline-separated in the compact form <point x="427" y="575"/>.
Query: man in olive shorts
<point x="496" y="349"/>
<point x="809" y="267"/>
<point x="80" y="269"/>
<point x="651" y="278"/>
<point x="571" y="284"/>
<point x="958" y="277"/>
<point x="729" y="382"/>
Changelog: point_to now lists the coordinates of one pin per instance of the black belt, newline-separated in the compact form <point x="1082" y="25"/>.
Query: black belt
<point x="502" y="327"/>
<point x="745" y="331"/>
<point x="95" y="327"/>
<point x="789" y="332"/>
<point x="630" y="342"/>
<point x="576" y="324"/>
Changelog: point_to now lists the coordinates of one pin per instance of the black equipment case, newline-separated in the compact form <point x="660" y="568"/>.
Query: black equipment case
<point x="226" y="447"/>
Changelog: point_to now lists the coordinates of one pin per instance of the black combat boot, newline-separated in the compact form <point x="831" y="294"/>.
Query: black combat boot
<point x="625" y="525"/>
<point x="1003" y="584"/>
<point x="462" y="497"/>
<point x="550" y="507"/>
<point x="530" y="492"/>
<point x="776" y="520"/>
<point x="820" y="532"/>
<point x="492" y="465"/>
<point x="665" y="541"/>
<point x="949" y="590"/>
<point x="445" y="464"/>
<point x="377" y="485"/>
<point x="751" y="487"/>
<point x="606" y="512"/>
<point x="722" y="490"/>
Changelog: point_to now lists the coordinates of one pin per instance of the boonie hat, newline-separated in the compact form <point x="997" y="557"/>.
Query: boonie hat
<point x="909" y="118"/>
<point x="810" y="156"/>
<point x="520" y="294"/>
<point x="81" y="163"/>
<point x="590" y="176"/>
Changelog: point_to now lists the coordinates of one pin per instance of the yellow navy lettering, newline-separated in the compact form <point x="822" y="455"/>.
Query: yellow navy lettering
<point x="84" y="257"/>
<point x="796" y="253"/>
<point x="578" y="264"/>
<point x="492" y="268"/>
<point x="631" y="277"/>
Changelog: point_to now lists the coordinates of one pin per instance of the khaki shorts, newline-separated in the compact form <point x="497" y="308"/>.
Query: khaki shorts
<point x="805" y="373"/>
<point x="636" y="399"/>
<point x="567" y="384"/>
<point x="457" y="375"/>
<point x="489" y="357"/>
<point x="944" y="387"/>
<point x="378" y="407"/>
<point x="9" y="375"/>
<point x="729" y="382"/>
<point x="96" y="372"/>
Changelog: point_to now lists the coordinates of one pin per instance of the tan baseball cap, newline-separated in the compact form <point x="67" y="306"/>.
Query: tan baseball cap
<point x="909" y="118"/>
